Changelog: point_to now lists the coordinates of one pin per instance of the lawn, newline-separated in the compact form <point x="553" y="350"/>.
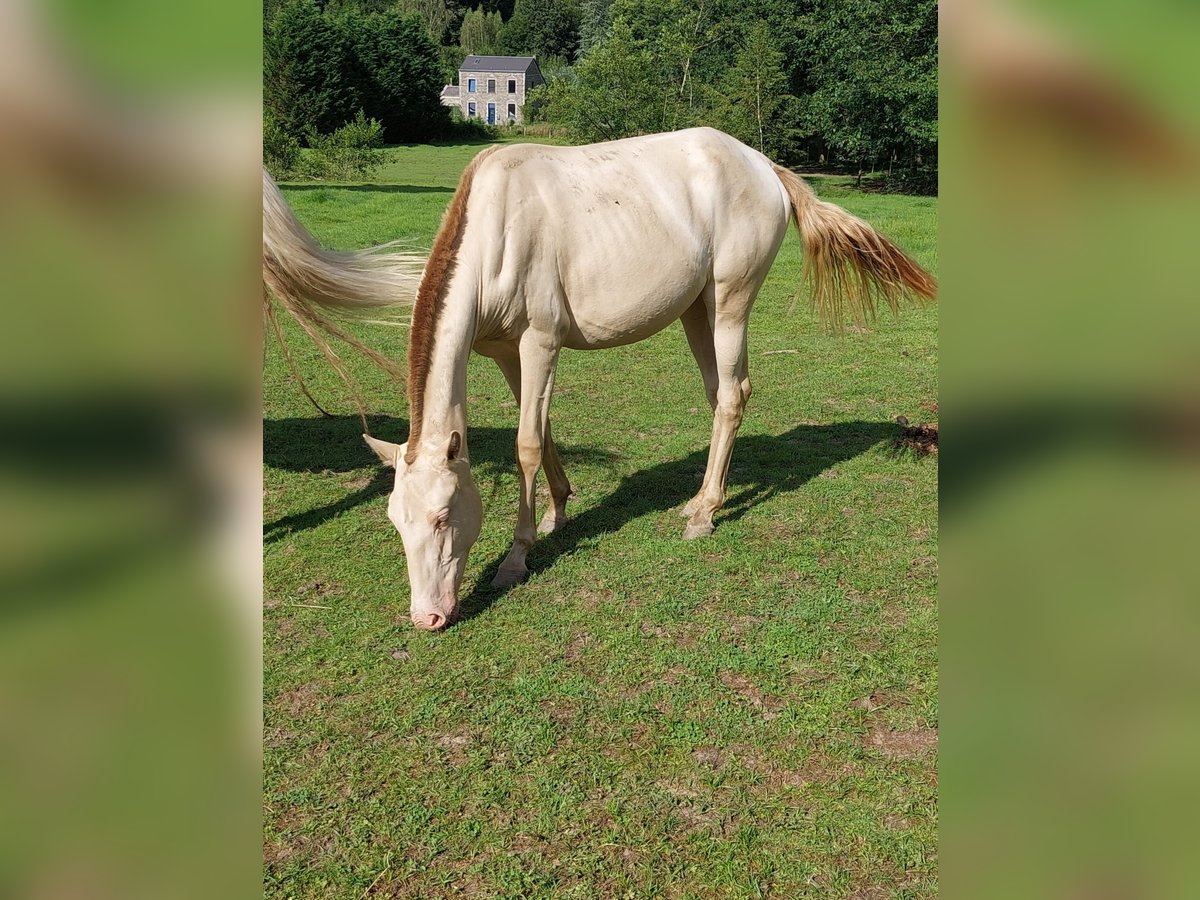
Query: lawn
<point x="751" y="714"/>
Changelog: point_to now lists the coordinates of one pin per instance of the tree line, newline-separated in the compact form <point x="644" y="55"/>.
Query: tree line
<point x="844" y="83"/>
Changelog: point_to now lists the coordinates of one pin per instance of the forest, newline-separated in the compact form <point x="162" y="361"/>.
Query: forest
<point x="848" y="86"/>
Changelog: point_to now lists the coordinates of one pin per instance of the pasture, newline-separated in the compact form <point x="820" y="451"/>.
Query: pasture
<point x="750" y="714"/>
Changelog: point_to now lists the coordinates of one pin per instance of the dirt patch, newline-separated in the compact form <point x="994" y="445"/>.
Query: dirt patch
<point x="357" y="484"/>
<point x="455" y="745"/>
<point x="276" y="853"/>
<point x="923" y="566"/>
<point x="693" y="817"/>
<point x="300" y="700"/>
<point x="317" y="588"/>
<point x="278" y="737"/>
<point x="578" y="648"/>
<point x="740" y="625"/>
<point x="649" y="629"/>
<point x="709" y="756"/>
<point x="878" y="699"/>
<point x="768" y="705"/>
<point x="317" y="750"/>
<point x="688" y="636"/>
<point x="819" y="768"/>
<point x="593" y="600"/>
<point x="560" y="712"/>
<point x="897" y="823"/>
<point x="285" y="627"/>
<point x="912" y="744"/>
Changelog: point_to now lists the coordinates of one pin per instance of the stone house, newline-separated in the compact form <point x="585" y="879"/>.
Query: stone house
<point x="493" y="88"/>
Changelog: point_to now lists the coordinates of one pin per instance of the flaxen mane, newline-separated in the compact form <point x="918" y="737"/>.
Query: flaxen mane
<point x="429" y="301"/>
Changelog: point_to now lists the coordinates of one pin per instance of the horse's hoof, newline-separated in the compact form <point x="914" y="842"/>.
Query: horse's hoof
<point x="696" y="531"/>
<point x="509" y="577"/>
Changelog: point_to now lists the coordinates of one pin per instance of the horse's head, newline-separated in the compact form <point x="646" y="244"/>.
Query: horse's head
<point x="437" y="510"/>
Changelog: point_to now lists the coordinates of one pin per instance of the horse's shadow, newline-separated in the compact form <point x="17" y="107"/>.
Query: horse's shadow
<point x="763" y="466"/>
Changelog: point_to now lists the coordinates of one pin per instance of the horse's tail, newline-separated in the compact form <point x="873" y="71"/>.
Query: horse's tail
<point x="847" y="262"/>
<point x="310" y="282"/>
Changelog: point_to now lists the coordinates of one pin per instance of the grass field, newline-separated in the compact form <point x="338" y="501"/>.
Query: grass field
<point x="753" y="714"/>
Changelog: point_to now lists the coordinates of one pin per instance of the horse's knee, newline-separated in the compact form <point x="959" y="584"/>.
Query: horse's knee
<point x="529" y="454"/>
<point x="730" y="406"/>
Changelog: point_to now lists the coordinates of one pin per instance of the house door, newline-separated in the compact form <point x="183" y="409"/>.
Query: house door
<point x="491" y="113"/>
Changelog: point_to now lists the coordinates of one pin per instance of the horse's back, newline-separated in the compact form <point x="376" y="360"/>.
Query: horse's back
<point x="623" y="235"/>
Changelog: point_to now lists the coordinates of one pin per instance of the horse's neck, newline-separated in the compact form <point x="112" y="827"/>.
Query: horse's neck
<point x="445" y="407"/>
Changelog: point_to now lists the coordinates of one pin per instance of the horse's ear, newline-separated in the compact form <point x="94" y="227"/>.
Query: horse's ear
<point x="389" y="454"/>
<point x="452" y="451"/>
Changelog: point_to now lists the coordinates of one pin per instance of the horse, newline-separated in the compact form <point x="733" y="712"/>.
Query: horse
<point x="585" y="247"/>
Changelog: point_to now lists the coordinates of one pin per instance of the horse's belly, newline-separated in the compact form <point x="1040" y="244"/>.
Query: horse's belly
<point x="630" y="305"/>
<point x="615" y="321"/>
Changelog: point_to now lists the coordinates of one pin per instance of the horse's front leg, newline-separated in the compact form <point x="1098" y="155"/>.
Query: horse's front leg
<point x="539" y="357"/>
<point x="556" y="476"/>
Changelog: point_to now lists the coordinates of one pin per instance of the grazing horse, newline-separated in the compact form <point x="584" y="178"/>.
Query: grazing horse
<point x="592" y="247"/>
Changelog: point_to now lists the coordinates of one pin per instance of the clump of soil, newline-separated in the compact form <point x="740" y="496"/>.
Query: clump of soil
<point x="920" y="439"/>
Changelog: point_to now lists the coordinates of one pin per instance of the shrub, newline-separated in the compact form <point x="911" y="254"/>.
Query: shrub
<point x="352" y="153"/>
<point x="281" y="151"/>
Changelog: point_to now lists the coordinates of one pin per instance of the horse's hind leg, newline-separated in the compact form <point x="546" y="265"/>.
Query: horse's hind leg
<point x="732" y="394"/>
<point x="700" y="339"/>
<point x="560" y="487"/>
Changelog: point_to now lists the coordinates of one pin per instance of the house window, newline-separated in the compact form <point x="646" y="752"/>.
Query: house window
<point x="491" y="85"/>
<point x="470" y="85"/>
<point x="491" y="113"/>
<point x="512" y="112"/>
<point x="512" y="85"/>
<point x="471" y="110"/>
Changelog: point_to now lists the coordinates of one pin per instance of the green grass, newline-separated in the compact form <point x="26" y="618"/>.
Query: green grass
<point x="753" y="714"/>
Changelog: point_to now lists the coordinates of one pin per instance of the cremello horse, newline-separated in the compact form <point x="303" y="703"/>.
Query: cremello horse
<point x="581" y="247"/>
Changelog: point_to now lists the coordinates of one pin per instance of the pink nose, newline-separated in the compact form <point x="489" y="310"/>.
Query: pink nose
<point x="429" y="621"/>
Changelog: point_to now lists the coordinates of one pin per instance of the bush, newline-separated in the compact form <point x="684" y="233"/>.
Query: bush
<point x="469" y="131"/>
<point x="281" y="151"/>
<point x="352" y="153"/>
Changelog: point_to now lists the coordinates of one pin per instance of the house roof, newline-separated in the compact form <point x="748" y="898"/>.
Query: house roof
<point x="450" y="90"/>
<point x="499" y="64"/>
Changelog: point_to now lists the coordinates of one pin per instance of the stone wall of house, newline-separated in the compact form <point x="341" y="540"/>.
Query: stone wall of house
<point x="501" y="95"/>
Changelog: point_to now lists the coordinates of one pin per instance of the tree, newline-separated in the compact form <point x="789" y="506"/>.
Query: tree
<point x="754" y="93"/>
<point x="871" y="74"/>
<point x="616" y="91"/>
<point x="399" y="73"/>
<point x="303" y="61"/>
<point x="480" y="32"/>
<point x="438" y="15"/>
<point x="543" y="28"/>
<point x="594" y="21"/>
